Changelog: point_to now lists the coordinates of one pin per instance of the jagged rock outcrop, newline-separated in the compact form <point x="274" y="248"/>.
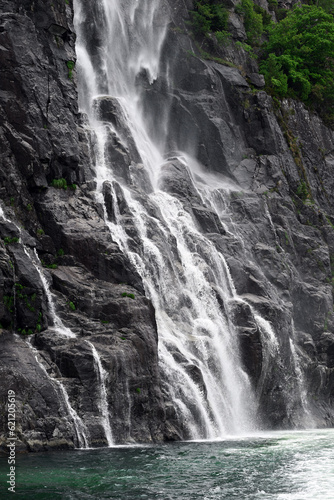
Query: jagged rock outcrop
<point x="275" y="229"/>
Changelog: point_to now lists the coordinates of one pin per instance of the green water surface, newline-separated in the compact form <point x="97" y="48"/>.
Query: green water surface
<point x="281" y="466"/>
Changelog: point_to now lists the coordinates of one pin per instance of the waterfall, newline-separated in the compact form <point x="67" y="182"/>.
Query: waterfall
<point x="184" y="275"/>
<point x="306" y="418"/>
<point x="78" y="425"/>
<point x="58" y="324"/>
<point x="103" y="401"/>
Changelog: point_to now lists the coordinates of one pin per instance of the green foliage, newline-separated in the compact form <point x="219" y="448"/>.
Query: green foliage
<point x="27" y="300"/>
<point x="279" y="13"/>
<point x="138" y="390"/>
<point x="276" y="79"/>
<point x="223" y="37"/>
<point x="327" y="5"/>
<point x="131" y="295"/>
<point x="50" y="266"/>
<point x="247" y="48"/>
<point x="40" y="232"/>
<point x="8" y="300"/>
<point x="9" y="241"/>
<point x="209" y="16"/>
<point x="25" y="332"/>
<point x="302" y="191"/>
<point x="39" y="321"/>
<point x="266" y="17"/>
<point x="253" y="21"/>
<point x="60" y="252"/>
<point x="70" y="65"/>
<point x="59" y="183"/>
<point x="298" y="59"/>
<point x="72" y="306"/>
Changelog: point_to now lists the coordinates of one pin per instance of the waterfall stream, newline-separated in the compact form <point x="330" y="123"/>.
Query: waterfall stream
<point x="103" y="402"/>
<point x="62" y="330"/>
<point x="78" y="425"/>
<point x="184" y="275"/>
<point x="187" y="279"/>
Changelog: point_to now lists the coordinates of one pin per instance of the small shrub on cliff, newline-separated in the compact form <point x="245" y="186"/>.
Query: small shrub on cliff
<point x="70" y="65"/>
<point x="302" y="191"/>
<point x="130" y="295"/>
<point x="10" y="241"/>
<point x="59" y="183"/>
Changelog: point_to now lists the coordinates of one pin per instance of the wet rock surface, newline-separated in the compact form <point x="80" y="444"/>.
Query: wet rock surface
<point x="275" y="228"/>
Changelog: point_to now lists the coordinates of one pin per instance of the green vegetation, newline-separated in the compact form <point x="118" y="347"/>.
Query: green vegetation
<point x="28" y="300"/>
<point x="302" y="191"/>
<point x="70" y="65"/>
<point x="39" y="323"/>
<point x="25" y="332"/>
<point x="138" y="390"/>
<point x="209" y="16"/>
<point x="59" y="183"/>
<point x="50" y="266"/>
<point x="298" y="59"/>
<point x="253" y="21"/>
<point x="297" y="56"/>
<point x="9" y="241"/>
<point x="8" y="300"/>
<point x="72" y="306"/>
<point x="131" y="295"/>
<point x="62" y="184"/>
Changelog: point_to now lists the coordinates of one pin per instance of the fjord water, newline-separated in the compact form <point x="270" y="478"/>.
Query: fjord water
<point x="278" y="466"/>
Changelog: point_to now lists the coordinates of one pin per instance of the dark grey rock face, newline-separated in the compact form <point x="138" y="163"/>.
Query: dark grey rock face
<point x="42" y="139"/>
<point x="275" y="230"/>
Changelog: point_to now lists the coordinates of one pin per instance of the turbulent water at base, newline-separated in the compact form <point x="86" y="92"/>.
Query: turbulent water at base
<point x="273" y="466"/>
<point x="184" y="275"/>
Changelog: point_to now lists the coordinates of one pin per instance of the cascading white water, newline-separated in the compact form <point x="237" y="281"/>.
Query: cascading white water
<point x="61" y="329"/>
<point x="186" y="281"/>
<point x="58" y="324"/>
<point x="103" y="400"/>
<point x="307" y="418"/>
<point x="78" y="425"/>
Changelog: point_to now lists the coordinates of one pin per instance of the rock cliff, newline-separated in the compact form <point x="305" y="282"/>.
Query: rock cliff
<point x="276" y="231"/>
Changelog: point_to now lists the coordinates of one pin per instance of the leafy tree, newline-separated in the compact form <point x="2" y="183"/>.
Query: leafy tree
<point x="209" y="15"/>
<point x="300" y="52"/>
<point x="253" y="21"/>
<point x="327" y="5"/>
